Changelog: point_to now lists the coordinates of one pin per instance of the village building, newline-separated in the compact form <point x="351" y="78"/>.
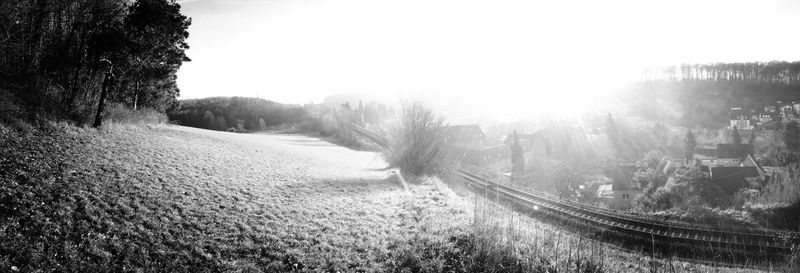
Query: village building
<point x="620" y="193"/>
<point x="706" y="152"/>
<point x="741" y="124"/>
<point x="720" y="162"/>
<point x="464" y="136"/>
<point x="787" y="109"/>
<point x="739" y="119"/>
<point x="764" y="118"/>
<point x="734" y="168"/>
<point x="496" y="152"/>
<point x="737" y="151"/>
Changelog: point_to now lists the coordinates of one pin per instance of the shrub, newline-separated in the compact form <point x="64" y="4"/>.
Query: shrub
<point x="414" y="142"/>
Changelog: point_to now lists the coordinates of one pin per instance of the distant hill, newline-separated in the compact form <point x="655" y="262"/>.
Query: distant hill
<point x="702" y="94"/>
<point x="244" y="114"/>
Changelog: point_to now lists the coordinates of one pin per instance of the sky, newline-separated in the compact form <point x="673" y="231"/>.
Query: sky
<point x="505" y="56"/>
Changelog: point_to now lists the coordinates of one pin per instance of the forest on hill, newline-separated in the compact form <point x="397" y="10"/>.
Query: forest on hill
<point x="64" y="59"/>
<point x="244" y="114"/>
<point x="702" y="94"/>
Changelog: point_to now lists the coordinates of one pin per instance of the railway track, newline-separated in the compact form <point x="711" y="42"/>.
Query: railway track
<point x="670" y="239"/>
<point x="690" y="242"/>
<point x="375" y="138"/>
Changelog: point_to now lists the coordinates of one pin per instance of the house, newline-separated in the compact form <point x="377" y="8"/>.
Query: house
<point x="706" y="151"/>
<point x="616" y="197"/>
<point x="734" y="150"/>
<point x="495" y="153"/>
<point x="764" y="118"/>
<point x="763" y="175"/>
<point x="736" y="113"/>
<point x="467" y="156"/>
<point x="464" y="135"/>
<point x="739" y="118"/>
<point x="720" y="162"/>
<point x="619" y="194"/>
<point x="732" y="174"/>
<point x="770" y="125"/>
<point x="731" y="179"/>
<point x="787" y="109"/>
<point x="741" y="124"/>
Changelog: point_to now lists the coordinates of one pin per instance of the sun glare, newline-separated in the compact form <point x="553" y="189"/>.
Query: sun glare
<point x="519" y="57"/>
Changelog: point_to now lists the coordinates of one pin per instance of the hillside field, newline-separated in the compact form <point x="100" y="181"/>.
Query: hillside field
<point x="178" y="199"/>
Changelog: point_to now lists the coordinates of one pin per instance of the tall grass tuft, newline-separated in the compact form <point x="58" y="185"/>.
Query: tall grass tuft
<point x="118" y="115"/>
<point x="415" y="141"/>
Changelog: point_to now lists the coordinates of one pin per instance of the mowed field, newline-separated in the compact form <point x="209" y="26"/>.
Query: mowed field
<point x="181" y="199"/>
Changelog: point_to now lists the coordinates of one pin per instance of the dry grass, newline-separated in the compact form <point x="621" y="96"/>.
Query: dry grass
<point x="118" y="114"/>
<point x="166" y="198"/>
<point x="162" y="199"/>
<point x="783" y="188"/>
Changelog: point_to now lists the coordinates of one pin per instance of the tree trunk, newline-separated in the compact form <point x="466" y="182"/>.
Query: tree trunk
<point x="98" y="118"/>
<point x="136" y="97"/>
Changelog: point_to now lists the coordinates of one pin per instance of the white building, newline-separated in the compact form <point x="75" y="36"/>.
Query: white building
<point x="740" y="124"/>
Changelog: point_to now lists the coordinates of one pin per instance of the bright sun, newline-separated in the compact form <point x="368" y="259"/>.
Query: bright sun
<point x="508" y="58"/>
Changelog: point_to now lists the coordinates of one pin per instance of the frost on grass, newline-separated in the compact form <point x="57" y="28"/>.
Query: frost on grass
<point x="179" y="199"/>
<point x="172" y="198"/>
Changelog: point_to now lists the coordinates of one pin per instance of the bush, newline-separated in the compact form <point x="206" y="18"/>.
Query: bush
<point x="414" y="142"/>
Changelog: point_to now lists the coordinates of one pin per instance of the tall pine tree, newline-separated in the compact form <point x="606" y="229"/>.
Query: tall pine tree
<point x="737" y="138"/>
<point x="689" y="144"/>
<point x="791" y="136"/>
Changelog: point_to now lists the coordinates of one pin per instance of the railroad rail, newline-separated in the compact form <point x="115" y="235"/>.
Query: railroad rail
<point x="375" y="138"/>
<point x="683" y="240"/>
<point x="739" y="246"/>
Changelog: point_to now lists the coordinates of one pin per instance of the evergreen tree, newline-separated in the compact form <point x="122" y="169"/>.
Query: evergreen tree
<point x="689" y="145"/>
<point x="737" y="138"/>
<point x="791" y="136"/>
<point x="752" y="137"/>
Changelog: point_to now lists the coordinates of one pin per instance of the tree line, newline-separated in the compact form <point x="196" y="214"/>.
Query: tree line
<point x="701" y="95"/>
<point x="762" y="72"/>
<point x="65" y="58"/>
<point x="243" y="114"/>
<point x="256" y="114"/>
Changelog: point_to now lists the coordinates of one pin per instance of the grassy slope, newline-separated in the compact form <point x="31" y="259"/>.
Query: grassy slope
<point x="169" y="200"/>
<point x="161" y="199"/>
